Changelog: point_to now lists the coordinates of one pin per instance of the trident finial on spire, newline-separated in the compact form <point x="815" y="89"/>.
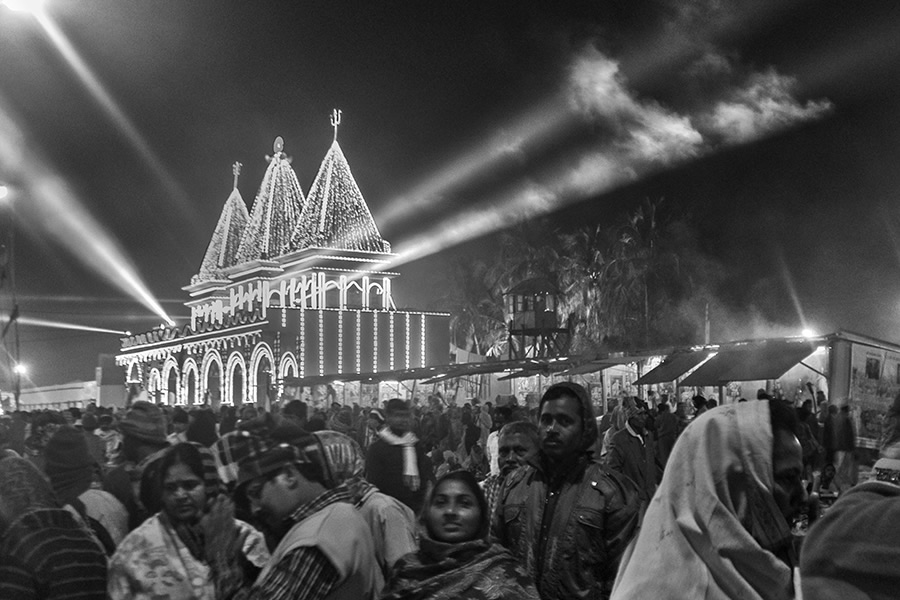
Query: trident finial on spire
<point x="236" y="169"/>
<point x="335" y="120"/>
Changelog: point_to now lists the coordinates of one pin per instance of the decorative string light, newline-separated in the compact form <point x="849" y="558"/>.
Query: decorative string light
<point x="359" y="341"/>
<point x="391" y="340"/>
<point x="321" y="342"/>
<point x="375" y="342"/>
<point x="407" y="365"/>
<point x="301" y="344"/>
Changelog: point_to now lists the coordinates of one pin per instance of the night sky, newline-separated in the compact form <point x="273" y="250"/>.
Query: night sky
<point x="773" y="124"/>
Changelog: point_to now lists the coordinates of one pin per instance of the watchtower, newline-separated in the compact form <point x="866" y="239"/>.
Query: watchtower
<point x="533" y="325"/>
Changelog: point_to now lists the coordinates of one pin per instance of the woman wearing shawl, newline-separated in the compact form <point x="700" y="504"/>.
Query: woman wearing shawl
<point x="166" y="557"/>
<point x="455" y="557"/>
<point x="46" y="551"/>
<point x="718" y="525"/>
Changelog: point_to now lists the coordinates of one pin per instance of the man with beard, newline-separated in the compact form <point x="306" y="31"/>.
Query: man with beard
<point x="566" y="516"/>
<point x="518" y="444"/>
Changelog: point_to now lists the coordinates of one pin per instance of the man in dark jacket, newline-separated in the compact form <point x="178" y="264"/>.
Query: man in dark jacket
<point x="565" y="516"/>
<point x="396" y="462"/>
<point x="633" y="453"/>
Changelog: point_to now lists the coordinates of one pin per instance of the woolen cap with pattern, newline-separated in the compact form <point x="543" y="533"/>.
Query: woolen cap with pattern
<point x="145" y="422"/>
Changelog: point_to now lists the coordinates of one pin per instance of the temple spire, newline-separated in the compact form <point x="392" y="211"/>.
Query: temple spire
<point x="335" y="120"/>
<point x="236" y="169"/>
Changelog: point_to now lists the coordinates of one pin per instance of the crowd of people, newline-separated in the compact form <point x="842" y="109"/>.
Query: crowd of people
<point x="419" y="501"/>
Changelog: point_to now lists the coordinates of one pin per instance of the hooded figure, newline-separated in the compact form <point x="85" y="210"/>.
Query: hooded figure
<point x="714" y="527"/>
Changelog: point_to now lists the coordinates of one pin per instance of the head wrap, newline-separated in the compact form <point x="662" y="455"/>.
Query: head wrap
<point x="69" y="464"/>
<point x="343" y="458"/>
<point x="145" y="422"/>
<point x="713" y="525"/>
<point x="287" y="445"/>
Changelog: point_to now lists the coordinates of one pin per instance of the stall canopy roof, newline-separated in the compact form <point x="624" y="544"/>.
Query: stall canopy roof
<point x="753" y="361"/>
<point x="673" y="367"/>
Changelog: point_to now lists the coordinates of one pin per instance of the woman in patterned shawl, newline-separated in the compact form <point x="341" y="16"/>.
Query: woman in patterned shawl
<point x="455" y="557"/>
<point x="174" y="553"/>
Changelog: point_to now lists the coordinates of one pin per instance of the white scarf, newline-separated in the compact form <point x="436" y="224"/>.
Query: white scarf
<point x="410" y="464"/>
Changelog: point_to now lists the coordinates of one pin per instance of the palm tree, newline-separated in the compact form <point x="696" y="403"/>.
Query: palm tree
<point x="476" y="308"/>
<point x="579" y="267"/>
<point x="640" y="275"/>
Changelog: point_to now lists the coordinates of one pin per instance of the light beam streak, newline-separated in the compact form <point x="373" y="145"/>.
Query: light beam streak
<point x="506" y="145"/>
<point x="53" y="207"/>
<point x="113" y="110"/>
<point x="30" y="321"/>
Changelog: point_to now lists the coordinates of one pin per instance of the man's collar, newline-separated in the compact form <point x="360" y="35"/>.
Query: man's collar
<point x="633" y="432"/>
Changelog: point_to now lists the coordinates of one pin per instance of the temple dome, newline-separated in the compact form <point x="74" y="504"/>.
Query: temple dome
<point x="335" y="214"/>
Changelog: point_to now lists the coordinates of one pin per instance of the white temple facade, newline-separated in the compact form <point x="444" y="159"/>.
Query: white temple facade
<point x="293" y="291"/>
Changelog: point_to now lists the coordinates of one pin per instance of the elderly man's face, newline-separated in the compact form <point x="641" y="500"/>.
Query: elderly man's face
<point x="787" y="468"/>
<point x="514" y="450"/>
<point x="561" y="428"/>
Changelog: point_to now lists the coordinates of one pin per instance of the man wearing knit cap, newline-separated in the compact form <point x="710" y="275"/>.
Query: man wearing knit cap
<point x="564" y="515"/>
<point x="72" y="472"/>
<point x="143" y="432"/>
<point x="327" y="549"/>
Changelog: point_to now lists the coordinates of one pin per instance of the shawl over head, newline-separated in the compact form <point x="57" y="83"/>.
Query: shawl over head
<point x="712" y="527"/>
<point x="474" y="569"/>
<point x="190" y="533"/>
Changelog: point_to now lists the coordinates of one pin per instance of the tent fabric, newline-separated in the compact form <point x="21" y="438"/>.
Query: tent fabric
<point x="673" y="367"/>
<point x="750" y="362"/>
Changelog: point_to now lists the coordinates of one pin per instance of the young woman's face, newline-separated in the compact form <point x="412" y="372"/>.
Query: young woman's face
<point x="184" y="495"/>
<point x="454" y="514"/>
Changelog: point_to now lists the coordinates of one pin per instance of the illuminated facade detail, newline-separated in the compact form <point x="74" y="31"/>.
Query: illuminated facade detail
<point x="154" y="386"/>
<point x="235" y="380"/>
<point x="189" y="389"/>
<point x="170" y="381"/>
<point x="134" y="372"/>
<point x="302" y="276"/>
<point x="288" y="366"/>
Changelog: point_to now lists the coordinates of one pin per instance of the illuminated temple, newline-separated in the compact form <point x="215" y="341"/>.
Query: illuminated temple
<point x="292" y="293"/>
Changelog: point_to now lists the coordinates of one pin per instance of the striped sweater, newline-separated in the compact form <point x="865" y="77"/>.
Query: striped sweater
<point x="48" y="554"/>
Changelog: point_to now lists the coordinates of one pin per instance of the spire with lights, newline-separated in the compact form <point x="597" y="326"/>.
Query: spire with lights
<point x="275" y="213"/>
<point x="223" y="246"/>
<point x="336" y="214"/>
